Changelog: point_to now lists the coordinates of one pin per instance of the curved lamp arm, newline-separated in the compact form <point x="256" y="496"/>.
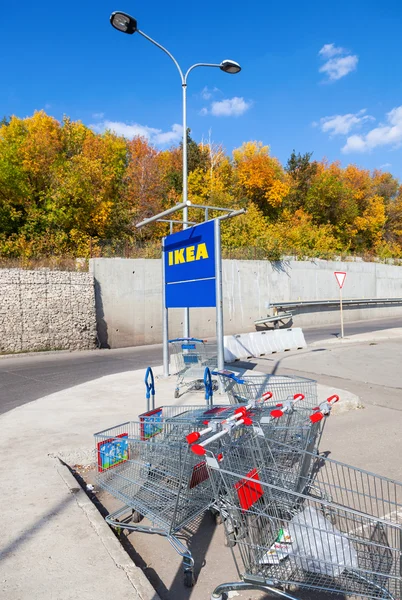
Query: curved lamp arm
<point x="198" y="65"/>
<point x="183" y="78"/>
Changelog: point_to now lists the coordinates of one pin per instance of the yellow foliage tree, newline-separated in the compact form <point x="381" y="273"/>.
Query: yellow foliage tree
<point x="259" y="177"/>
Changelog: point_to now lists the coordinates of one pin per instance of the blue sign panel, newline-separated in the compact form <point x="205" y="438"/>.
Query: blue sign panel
<point x="189" y="257"/>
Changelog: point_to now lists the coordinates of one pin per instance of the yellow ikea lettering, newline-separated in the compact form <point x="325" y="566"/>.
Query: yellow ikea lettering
<point x="190" y="253"/>
<point x="201" y="252"/>
<point x="179" y="256"/>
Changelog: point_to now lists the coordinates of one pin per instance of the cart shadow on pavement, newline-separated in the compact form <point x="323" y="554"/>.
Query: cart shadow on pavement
<point x="199" y="538"/>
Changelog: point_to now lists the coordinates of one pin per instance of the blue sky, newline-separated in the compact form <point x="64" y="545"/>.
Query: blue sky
<point x="317" y="76"/>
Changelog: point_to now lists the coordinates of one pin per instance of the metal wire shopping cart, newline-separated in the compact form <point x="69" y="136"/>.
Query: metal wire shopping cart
<point x="149" y="468"/>
<point x="243" y="388"/>
<point x="190" y="357"/>
<point x="338" y="532"/>
<point x="282" y="434"/>
<point x="261" y="443"/>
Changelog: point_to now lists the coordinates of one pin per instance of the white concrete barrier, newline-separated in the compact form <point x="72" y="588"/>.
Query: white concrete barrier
<point x="257" y="343"/>
<point x="269" y="342"/>
<point x="247" y="345"/>
<point x="299" y="341"/>
<point x="230" y="348"/>
<point x="238" y="346"/>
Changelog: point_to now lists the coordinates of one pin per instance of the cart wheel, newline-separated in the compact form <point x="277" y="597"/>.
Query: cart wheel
<point x="176" y="393"/>
<point x="221" y="597"/>
<point x="189" y="579"/>
<point x="218" y="519"/>
<point x="230" y="542"/>
<point x="136" y="517"/>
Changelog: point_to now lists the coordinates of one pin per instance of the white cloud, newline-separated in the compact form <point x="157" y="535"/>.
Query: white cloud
<point x="385" y="166"/>
<point x="168" y="137"/>
<point x="336" y="68"/>
<point x="207" y="92"/>
<point x="389" y="134"/>
<point x="98" y="115"/>
<point x="153" y="135"/>
<point x="343" y="124"/>
<point x="330" y="50"/>
<point x="231" y="107"/>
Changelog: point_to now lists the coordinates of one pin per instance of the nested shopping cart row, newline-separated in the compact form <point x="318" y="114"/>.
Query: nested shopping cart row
<point x="294" y="519"/>
<point x="150" y="467"/>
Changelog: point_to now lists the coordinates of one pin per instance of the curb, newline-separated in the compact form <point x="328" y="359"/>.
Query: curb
<point x="347" y="400"/>
<point x="44" y="353"/>
<point x="363" y="338"/>
<point x="142" y="588"/>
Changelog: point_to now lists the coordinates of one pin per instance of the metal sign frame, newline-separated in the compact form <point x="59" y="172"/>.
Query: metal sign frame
<point x="228" y="214"/>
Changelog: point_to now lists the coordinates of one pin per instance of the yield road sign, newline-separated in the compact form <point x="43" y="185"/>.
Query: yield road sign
<point x="340" y="277"/>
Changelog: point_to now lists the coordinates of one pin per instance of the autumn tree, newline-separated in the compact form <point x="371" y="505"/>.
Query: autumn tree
<point x="259" y="177"/>
<point x="65" y="189"/>
<point x="60" y="185"/>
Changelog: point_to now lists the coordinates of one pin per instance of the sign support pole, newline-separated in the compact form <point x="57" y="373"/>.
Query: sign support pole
<point x="340" y="277"/>
<point x="219" y="298"/>
<point x="340" y="300"/>
<point x="165" y="317"/>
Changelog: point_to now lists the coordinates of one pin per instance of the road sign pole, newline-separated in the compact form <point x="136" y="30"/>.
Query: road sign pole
<point x="340" y="299"/>
<point x="340" y="277"/>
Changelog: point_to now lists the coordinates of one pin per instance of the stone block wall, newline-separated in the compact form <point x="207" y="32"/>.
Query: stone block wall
<point x="46" y="310"/>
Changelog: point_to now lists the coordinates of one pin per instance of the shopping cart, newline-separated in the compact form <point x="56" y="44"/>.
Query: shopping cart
<point x="290" y="466"/>
<point x="148" y="467"/>
<point x="289" y="427"/>
<point x="339" y="532"/>
<point x="190" y="357"/>
<point x="243" y="388"/>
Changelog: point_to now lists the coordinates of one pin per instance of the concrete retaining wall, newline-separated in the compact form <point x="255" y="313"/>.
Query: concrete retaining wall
<point x="46" y="310"/>
<point x="128" y="296"/>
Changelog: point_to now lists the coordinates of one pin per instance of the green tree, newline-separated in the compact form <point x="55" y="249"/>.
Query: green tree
<point x="301" y="172"/>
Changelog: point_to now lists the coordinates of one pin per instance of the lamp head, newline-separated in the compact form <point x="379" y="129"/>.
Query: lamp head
<point x="123" y="22"/>
<point x="230" y="66"/>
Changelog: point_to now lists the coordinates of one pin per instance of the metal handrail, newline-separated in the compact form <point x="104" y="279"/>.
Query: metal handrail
<point x="332" y="302"/>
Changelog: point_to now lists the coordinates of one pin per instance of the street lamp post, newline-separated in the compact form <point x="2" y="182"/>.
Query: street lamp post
<point x="127" y="24"/>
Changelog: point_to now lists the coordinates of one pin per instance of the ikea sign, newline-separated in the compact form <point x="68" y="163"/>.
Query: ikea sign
<point x="189" y="254"/>
<point x="189" y="261"/>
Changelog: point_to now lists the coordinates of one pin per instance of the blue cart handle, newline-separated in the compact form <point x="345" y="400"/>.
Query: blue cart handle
<point x="150" y="387"/>
<point x="187" y="340"/>
<point x="229" y="375"/>
<point x="208" y="386"/>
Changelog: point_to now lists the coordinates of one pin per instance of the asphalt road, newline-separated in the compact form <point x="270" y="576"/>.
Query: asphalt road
<point x="27" y="378"/>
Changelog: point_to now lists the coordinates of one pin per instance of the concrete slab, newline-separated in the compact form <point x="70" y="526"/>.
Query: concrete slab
<point x="374" y="362"/>
<point x="50" y="547"/>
